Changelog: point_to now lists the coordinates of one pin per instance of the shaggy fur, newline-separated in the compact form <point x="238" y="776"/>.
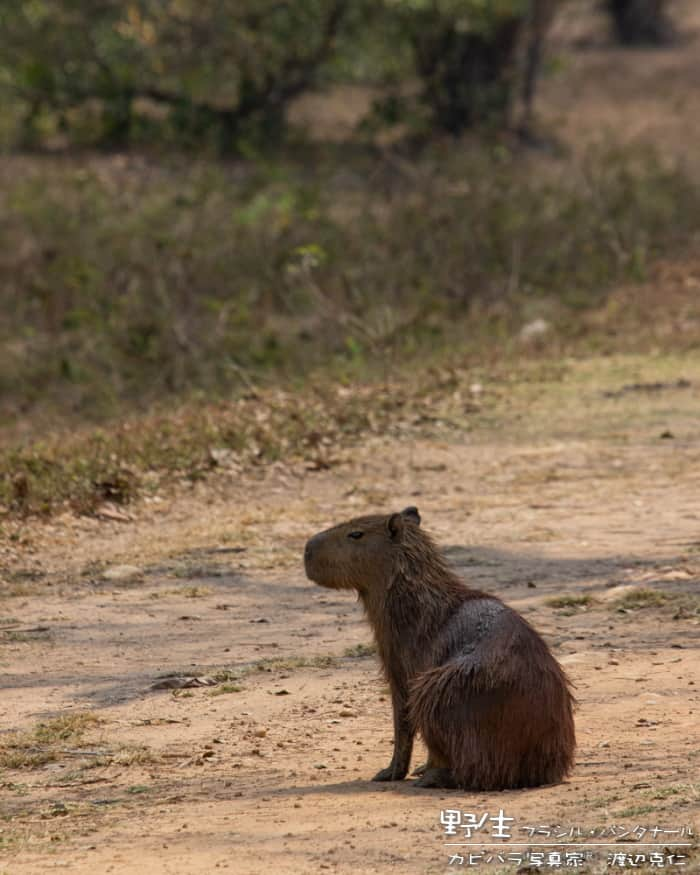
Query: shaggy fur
<point x="465" y="670"/>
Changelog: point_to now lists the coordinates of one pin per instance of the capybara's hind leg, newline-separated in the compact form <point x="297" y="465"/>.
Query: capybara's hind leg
<point x="420" y="770"/>
<point x="436" y="773"/>
<point x="434" y="761"/>
<point x="438" y="777"/>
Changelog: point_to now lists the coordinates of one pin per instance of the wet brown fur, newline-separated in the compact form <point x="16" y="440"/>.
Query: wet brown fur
<point x="465" y="670"/>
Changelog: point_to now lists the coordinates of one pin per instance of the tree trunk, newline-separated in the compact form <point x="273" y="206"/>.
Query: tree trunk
<point x="641" y="22"/>
<point x="468" y="77"/>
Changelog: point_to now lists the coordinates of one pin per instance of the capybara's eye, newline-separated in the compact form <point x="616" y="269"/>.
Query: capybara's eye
<point x="355" y="535"/>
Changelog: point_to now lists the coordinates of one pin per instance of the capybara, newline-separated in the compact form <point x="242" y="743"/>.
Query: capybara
<point x="465" y="670"/>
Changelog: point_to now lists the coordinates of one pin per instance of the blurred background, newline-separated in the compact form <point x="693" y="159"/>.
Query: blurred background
<point x="205" y="200"/>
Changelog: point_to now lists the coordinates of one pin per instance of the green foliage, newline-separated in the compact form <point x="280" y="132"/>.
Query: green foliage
<point x="474" y="15"/>
<point x="223" y="71"/>
<point x="221" y="74"/>
<point x="466" y="55"/>
<point x="131" y="282"/>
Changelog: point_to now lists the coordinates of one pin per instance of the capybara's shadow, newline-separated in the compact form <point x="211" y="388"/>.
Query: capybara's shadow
<point x="408" y="788"/>
<point x="493" y="569"/>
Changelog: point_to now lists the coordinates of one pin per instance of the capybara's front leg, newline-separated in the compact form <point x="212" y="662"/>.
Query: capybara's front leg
<point x="403" y="742"/>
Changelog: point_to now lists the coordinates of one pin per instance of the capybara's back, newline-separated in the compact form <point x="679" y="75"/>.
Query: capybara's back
<point x="465" y="670"/>
<point x="496" y="707"/>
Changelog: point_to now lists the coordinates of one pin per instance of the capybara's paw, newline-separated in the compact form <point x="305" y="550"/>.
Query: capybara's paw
<point x="419" y="770"/>
<point x="438" y="778"/>
<point x="390" y="773"/>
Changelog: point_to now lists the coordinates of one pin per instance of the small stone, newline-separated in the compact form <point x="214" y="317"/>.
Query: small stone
<point x="121" y="572"/>
<point x="222" y="457"/>
<point x="534" y="331"/>
<point x="111" y="512"/>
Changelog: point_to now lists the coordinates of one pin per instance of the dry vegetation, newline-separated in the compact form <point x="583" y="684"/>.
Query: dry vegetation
<point x="248" y="697"/>
<point x="177" y="697"/>
<point x="300" y="292"/>
<point x="46" y="742"/>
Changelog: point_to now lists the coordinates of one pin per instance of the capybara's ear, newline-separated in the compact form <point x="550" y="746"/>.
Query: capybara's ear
<point x="411" y="514"/>
<point x="395" y="525"/>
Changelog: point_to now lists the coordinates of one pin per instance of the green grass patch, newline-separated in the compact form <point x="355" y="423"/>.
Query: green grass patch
<point x="570" y="601"/>
<point x="358" y="651"/>
<point x="603" y="801"/>
<point x="192" y="592"/>
<point x="635" y="810"/>
<point x="44" y="742"/>
<point x="689" y="792"/>
<point x="276" y="664"/>
<point x="9" y="636"/>
<point x="686" y="605"/>
<point x="641" y="598"/>
<point x="222" y="689"/>
<point x="229" y="678"/>
<point x="290" y="663"/>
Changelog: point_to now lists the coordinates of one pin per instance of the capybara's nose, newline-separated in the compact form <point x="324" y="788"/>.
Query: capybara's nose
<point x="308" y="550"/>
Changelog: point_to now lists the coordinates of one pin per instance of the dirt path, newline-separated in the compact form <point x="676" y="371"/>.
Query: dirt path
<point x="561" y="486"/>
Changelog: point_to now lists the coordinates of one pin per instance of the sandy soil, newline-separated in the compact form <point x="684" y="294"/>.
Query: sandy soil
<point x="573" y="479"/>
<point x="562" y="485"/>
<point x="597" y="93"/>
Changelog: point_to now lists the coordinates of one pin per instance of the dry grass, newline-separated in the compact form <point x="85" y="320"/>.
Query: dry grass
<point x="225" y="688"/>
<point x="570" y="601"/>
<point x="642" y="598"/>
<point x="359" y="651"/>
<point x="287" y="273"/>
<point x="46" y="741"/>
<point x="685" y="605"/>
<point x="276" y="664"/>
<point x="133" y="755"/>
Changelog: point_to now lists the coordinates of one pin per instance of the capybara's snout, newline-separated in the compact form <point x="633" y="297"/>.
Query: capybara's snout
<point x="310" y="552"/>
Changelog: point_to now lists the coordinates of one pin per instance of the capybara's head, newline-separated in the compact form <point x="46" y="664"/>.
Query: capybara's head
<point x="360" y="552"/>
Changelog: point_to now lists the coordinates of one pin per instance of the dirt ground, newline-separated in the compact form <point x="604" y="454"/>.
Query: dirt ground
<point x="570" y="481"/>
<point x="570" y="489"/>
